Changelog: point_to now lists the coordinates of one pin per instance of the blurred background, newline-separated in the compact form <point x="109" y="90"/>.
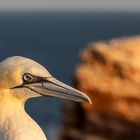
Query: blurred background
<point x="59" y="35"/>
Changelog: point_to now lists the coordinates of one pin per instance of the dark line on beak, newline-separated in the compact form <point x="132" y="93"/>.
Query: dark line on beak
<point x="34" y="91"/>
<point x="57" y="85"/>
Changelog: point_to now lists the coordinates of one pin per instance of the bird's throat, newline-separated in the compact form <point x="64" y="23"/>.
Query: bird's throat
<point x="15" y="123"/>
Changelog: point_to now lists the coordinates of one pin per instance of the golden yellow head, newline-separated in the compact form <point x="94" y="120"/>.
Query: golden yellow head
<point x="25" y="78"/>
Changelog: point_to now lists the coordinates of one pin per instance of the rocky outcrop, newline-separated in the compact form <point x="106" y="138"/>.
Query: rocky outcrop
<point x="109" y="73"/>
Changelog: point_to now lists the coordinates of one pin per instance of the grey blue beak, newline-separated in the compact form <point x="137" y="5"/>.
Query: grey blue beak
<point x="52" y="87"/>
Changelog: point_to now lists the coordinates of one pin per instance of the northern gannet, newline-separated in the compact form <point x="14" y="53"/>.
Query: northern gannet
<point x="20" y="79"/>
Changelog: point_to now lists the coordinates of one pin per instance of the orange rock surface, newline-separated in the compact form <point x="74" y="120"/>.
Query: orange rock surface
<point x="109" y="73"/>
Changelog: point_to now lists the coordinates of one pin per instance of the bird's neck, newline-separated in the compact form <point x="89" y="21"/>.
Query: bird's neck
<point x="9" y="104"/>
<point x="15" y="123"/>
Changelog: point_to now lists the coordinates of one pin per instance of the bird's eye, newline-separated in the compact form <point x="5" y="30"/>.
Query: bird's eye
<point x="28" y="77"/>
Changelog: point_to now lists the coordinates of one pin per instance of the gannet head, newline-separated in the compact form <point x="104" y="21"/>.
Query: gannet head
<point x="25" y="78"/>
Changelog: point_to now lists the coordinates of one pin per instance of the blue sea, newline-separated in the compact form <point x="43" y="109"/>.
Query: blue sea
<point x="55" y="39"/>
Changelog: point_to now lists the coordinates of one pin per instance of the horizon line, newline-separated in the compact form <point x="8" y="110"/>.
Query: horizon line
<point x="73" y="10"/>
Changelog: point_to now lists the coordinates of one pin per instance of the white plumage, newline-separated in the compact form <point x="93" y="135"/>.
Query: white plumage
<point x="20" y="79"/>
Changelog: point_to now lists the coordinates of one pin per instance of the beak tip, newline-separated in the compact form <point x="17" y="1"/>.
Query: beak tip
<point x="89" y="101"/>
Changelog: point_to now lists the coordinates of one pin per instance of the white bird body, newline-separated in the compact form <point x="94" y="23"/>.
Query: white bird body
<point x="20" y="79"/>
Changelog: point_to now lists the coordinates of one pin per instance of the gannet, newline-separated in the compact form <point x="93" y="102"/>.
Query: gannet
<point x="20" y="79"/>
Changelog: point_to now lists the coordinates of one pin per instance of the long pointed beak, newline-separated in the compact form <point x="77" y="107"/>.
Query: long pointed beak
<point x="53" y="87"/>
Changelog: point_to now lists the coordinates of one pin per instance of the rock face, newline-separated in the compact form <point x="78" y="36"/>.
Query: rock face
<point x="109" y="73"/>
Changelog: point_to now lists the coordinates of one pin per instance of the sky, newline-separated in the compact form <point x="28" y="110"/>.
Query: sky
<point x="82" y="5"/>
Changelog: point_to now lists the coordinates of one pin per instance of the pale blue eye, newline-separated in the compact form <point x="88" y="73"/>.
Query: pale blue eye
<point x="28" y="77"/>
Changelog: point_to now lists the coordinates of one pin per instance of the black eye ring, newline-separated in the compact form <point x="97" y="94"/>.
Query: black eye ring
<point x="27" y="77"/>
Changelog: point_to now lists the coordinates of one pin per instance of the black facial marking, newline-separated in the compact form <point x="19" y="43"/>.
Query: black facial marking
<point x="30" y="79"/>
